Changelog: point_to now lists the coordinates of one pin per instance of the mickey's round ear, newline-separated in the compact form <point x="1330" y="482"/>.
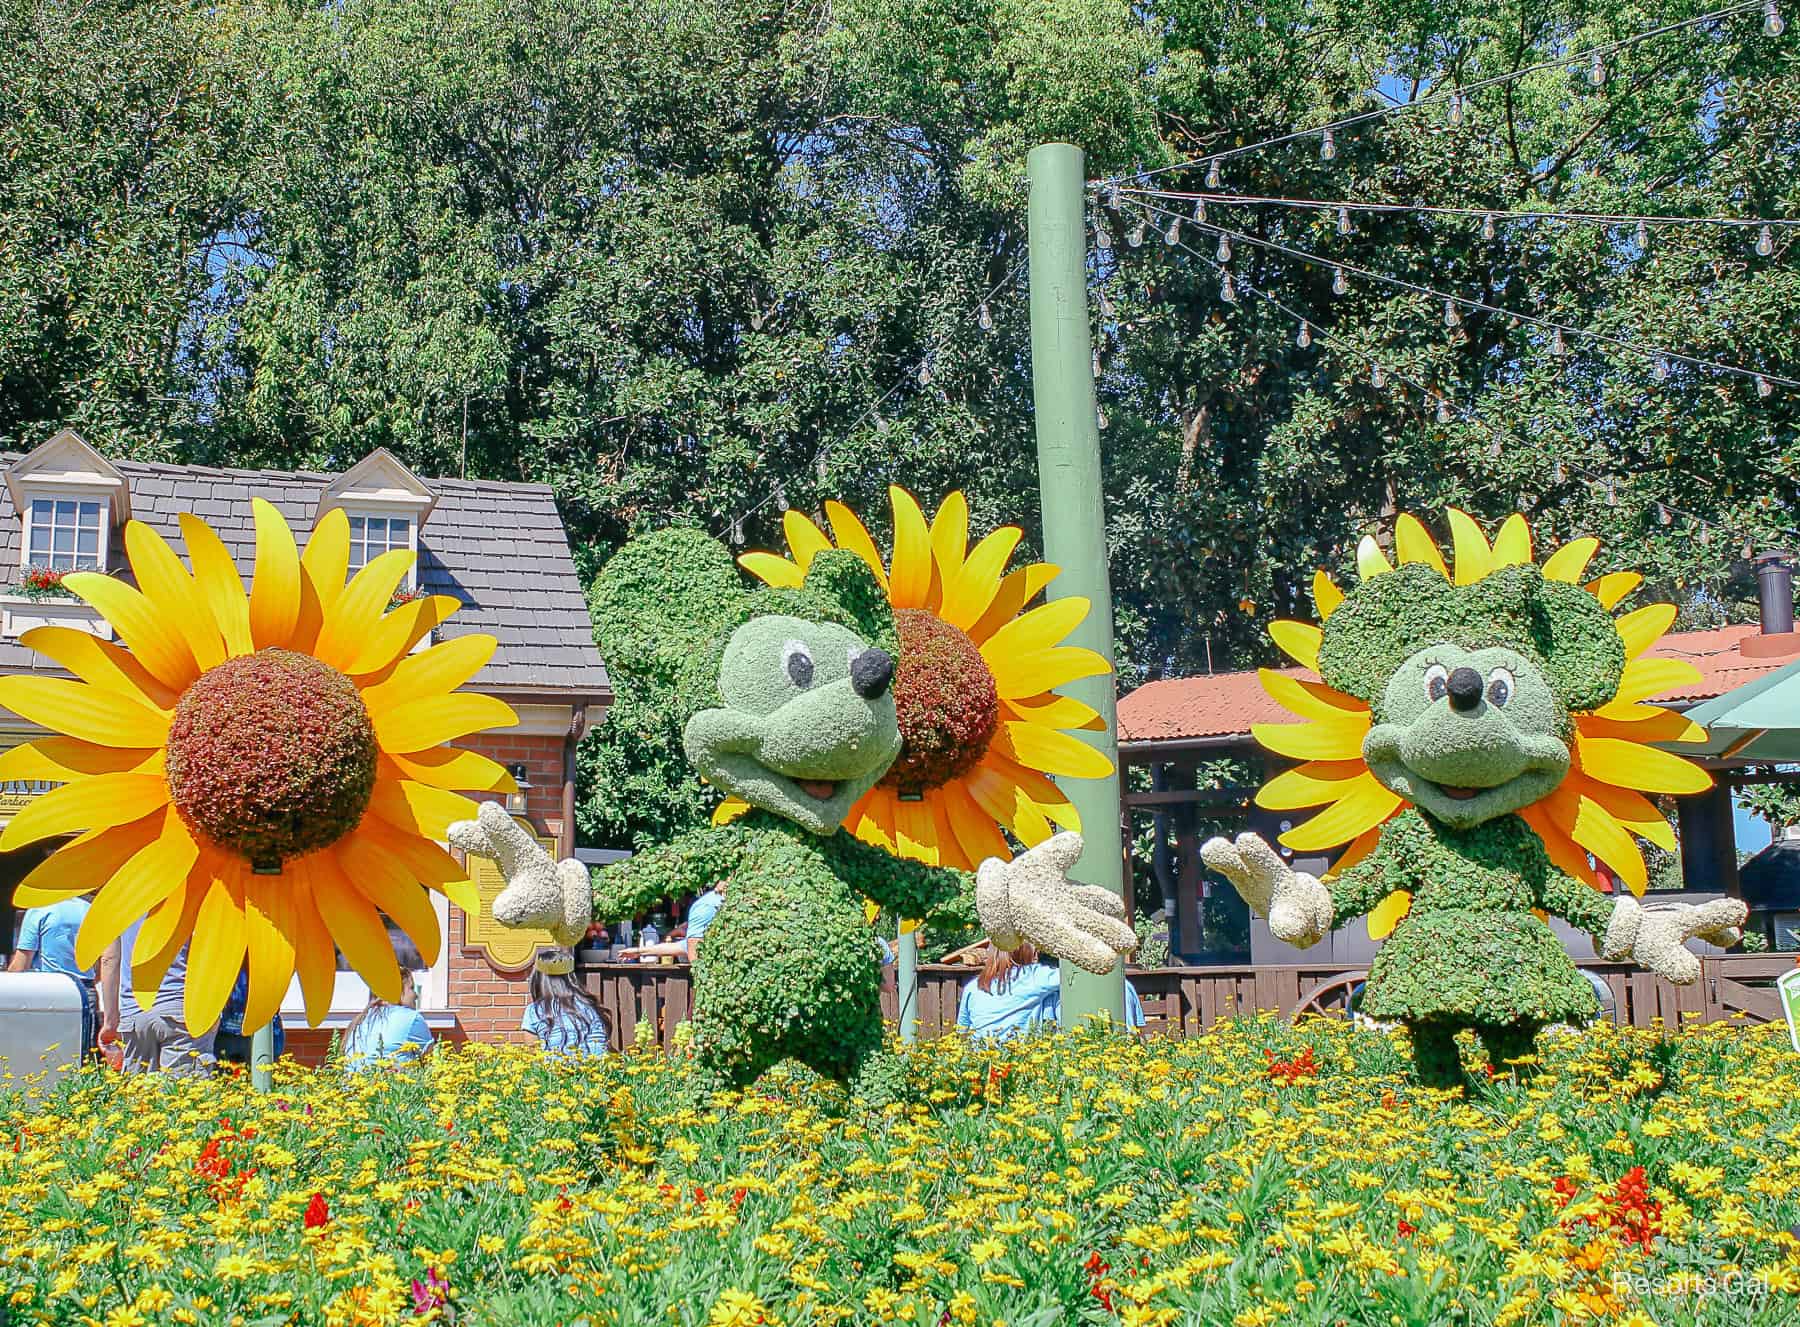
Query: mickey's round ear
<point x="844" y="578"/>
<point x="658" y="597"/>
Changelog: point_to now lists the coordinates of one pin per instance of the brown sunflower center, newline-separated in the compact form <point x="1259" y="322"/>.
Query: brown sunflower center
<point x="946" y="700"/>
<point x="271" y="755"/>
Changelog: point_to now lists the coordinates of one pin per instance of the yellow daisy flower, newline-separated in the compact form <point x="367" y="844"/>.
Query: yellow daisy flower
<point x="981" y="727"/>
<point x="261" y="774"/>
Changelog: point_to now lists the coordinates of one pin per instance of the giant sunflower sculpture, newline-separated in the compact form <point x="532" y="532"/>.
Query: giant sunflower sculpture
<point x="258" y="775"/>
<point x="982" y="731"/>
<point x="1600" y="807"/>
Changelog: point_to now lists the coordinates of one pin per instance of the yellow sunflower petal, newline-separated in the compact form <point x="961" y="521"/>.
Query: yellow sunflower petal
<point x="417" y="809"/>
<point x="100" y="663"/>
<point x="950" y="535"/>
<point x="1021" y="676"/>
<point x="1309" y="700"/>
<point x="1359" y="849"/>
<point x="804" y="539"/>
<point x="269" y="933"/>
<point x="433" y="720"/>
<point x="152" y="641"/>
<point x="356" y="928"/>
<point x="1312" y="784"/>
<point x="1633" y="765"/>
<point x="1041" y="629"/>
<point x="1571" y="560"/>
<point x="1326" y="595"/>
<point x="1649" y="677"/>
<point x="457" y="770"/>
<point x="399" y="631"/>
<point x="433" y="672"/>
<point x="915" y="833"/>
<point x="326" y="560"/>
<point x="854" y="535"/>
<point x="971" y="591"/>
<point x="950" y="850"/>
<point x="65" y="759"/>
<point x="1055" y="712"/>
<point x="1642" y="723"/>
<point x="1414" y="544"/>
<point x="385" y="883"/>
<point x="216" y="953"/>
<point x="909" y="585"/>
<point x="1365" y="804"/>
<point x="109" y="718"/>
<point x="1300" y="641"/>
<point x="353" y="615"/>
<point x="1474" y="559"/>
<point x="1018" y="588"/>
<point x="1597" y="831"/>
<point x="173" y="594"/>
<point x="873" y="816"/>
<point x="221" y="588"/>
<point x="1561" y="849"/>
<point x="1612" y="588"/>
<point x="1641" y="627"/>
<point x="148" y="876"/>
<point x="1055" y="752"/>
<point x="167" y="927"/>
<point x="75" y="867"/>
<point x="427" y="863"/>
<point x="275" y="580"/>
<point x="315" y="955"/>
<point x="771" y="569"/>
<point x="1388" y="914"/>
<point x="977" y="834"/>
<point x="1028" y="822"/>
<point x="729" y="810"/>
<point x="99" y="802"/>
<point x="1370" y="560"/>
<point x="1320" y="740"/>
<point x="1633" y="810"/>
<point x="1512" y="544"/>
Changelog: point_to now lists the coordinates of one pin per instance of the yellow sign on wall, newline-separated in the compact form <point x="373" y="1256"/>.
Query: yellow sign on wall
<point x="505" y="946"/>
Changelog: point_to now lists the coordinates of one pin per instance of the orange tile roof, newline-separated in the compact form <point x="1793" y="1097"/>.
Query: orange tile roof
<point x="1226" y="704"/>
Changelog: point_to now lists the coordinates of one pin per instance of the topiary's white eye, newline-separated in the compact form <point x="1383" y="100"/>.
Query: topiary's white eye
<point x="797" y="662"/>
<point x="1500" y="685"/>
<point x="1437" y="682"/>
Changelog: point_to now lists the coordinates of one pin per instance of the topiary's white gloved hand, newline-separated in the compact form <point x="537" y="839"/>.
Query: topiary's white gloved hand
<point x="1655" y="937"/>
<point x="1032" y="898"/>
<point x="1297" y="905"/>
<point x="540" y="892"/>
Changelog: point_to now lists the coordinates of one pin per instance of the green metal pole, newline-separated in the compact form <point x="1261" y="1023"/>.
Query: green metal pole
<point x="262" y="1057"/>
<point x="906" y="949"/>
<point x="1068" y="447"/>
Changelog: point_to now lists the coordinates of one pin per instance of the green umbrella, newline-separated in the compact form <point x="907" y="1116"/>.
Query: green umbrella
<point x="1757" y="723"/>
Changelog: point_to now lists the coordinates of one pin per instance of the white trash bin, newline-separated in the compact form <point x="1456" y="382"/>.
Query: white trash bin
<point x="38" y="1010"/>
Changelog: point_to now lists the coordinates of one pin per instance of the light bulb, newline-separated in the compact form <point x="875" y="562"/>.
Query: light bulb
<point x="1377" y="377"/>
<point x="1327" y="147"/>
<point x="1224" y="250"/>
<point x="1663" y="515"/>
<point x="1749" y="549"/>
<point x="1340" y="284"/>
<point x="1106" y="306"/>
<point x="1102" y="237"/>
<point x="985" y="318"/>
<point x="1763" y="385"/>
<point x="1558" y="473"/>
<point x="1660" y="367"/>
<point x="1100" y="418"/>
<point x="1773" y="23"/>
<point x="1228" y="291"/>
<point x="1597" y="74"/>
<point x="1451" y="317"/>
<point x="1213" y="175"/>
<point x="1443" y="411"/>
<point x="1456" y="107"/>
<point x="1199" y="209"/>
<point x="1113" y="197"/>
<point x="1765" y="242"/>
<point x="1343" y="225"/>
<point x="1136" y="238"/>
<point x="1096" y="361"/>
<point x="881" y="424"/>
<point x="1304" y="339"/>
<point x="1612" y="494"/>
<point x="1643" y="238"/>
<point x="925" y="375"/>
<point x="1558" y="346"/>
<point x="1487" y="226"/>
<point x="1172" y="236"/>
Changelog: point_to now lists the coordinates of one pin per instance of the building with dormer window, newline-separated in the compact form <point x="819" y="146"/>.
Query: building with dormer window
<point x="500" y="548"/>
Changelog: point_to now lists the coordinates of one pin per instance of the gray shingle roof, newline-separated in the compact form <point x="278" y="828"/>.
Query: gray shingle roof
<point x="498" y="547"/>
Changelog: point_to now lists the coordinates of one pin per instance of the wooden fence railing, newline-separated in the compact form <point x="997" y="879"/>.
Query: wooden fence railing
<point x="1184" y="1002"/>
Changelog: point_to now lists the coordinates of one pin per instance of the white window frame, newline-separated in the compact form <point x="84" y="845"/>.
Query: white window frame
<point x="387" y="512"/>
<point x="33" y="493"/>
<point x="97" y="506"/>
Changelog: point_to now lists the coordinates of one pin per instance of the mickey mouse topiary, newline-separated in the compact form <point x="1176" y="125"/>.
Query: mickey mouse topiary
<point x="1477" y="734"/>
<point x="784" y="698"/>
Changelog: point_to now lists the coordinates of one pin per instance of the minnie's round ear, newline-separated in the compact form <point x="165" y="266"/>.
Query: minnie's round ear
<point x="658" y="597"/>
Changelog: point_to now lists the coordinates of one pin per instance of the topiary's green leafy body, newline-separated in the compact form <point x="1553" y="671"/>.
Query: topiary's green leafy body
<point x="791" y="967"/>
<point x="1471" y="953"/>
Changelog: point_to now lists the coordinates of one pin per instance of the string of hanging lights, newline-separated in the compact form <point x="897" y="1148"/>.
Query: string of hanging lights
<point x="1593" y="59"/>
<point x="1661" y="358"/>
<point x="1382" y="374"/>
<point x="917" y="373"/>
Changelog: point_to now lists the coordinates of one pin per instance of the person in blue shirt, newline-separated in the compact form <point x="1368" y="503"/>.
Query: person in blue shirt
<point x="232" y="1044"/>
<point x="158" y="1038"/>
<point x="386" y="1033"/>
<point x="563" y="1015"/>
<point x="1017" y="992"/>
<point x="702" y="912"/>
<point x="47" y="944"/>
<point x="1134" y="1009"/>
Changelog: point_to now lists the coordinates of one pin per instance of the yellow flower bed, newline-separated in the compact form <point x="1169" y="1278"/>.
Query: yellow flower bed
<point x="1262" y="1174"/>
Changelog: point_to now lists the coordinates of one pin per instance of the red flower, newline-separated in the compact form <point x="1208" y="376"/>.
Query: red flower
<point x="1406" y="1228"/>
<point x="1566" y="1190"/>
<point x="317" y="1213"/>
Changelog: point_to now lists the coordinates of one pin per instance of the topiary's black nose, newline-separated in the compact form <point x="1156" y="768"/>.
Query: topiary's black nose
<point x="1464" y="686"/>
<point x="872" y="671"/>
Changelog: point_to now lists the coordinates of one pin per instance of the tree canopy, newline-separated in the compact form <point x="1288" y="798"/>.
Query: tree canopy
<point x="667" y="255"/>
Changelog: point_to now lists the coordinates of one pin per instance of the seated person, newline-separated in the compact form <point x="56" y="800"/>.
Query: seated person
<point x="386" y="1033"/>
<point x="563" y="1014"/>
<point x="1017" y="992"/>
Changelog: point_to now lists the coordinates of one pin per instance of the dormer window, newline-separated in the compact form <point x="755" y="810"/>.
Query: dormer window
<point x="67" y="534"/>
<point x="386" y="504"/>
<point x="68" y="501"/>
<point x="371" y="536"/>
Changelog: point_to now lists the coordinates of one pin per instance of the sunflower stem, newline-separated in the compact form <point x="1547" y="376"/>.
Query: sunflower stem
<point x="262" y="1057"/>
